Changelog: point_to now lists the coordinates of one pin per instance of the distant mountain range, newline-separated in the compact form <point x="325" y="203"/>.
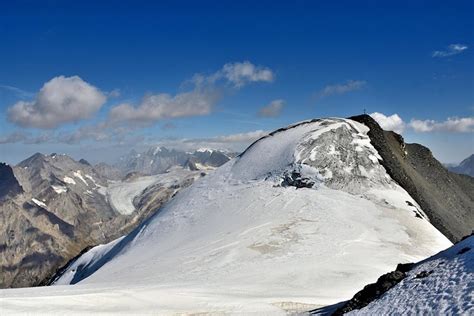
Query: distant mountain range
<point x="158" y="159"/>
<point x="465" y="167"/>
<point x="52" y="206"/>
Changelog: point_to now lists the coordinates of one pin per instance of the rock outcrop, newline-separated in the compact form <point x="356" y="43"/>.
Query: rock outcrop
<point x="446" y="197"/>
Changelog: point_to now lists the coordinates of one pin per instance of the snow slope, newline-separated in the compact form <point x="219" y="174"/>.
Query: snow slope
<point x="250" y="238"/>
<point x="440" y="285"/>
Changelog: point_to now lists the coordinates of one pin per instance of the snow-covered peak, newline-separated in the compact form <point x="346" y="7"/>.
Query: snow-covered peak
<point x="336" y="152"/>
<point x="158" y="149"/>
<point x="203" y="150"/>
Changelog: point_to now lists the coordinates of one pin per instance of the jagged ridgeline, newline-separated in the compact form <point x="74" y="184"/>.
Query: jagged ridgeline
<point x="305" y="217"/>
<point x="446" y="197"/>
<point x="53" y="207"/>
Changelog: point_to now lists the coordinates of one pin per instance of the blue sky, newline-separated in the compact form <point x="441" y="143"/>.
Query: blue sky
<point x="412" y="61"/>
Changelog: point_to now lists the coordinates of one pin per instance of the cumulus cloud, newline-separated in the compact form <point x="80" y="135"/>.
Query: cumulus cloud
<point x="205" y="92"/>
<point x="348" y="86"/>
<point x="273" y="109"/>
<point x="451" y="50"/>
<point x="242" y="73"/>
<point x="155" y="107"/>
<point x="390" y="123"/>
<point x="61" y="100"/>
<point x="452" y="124"/>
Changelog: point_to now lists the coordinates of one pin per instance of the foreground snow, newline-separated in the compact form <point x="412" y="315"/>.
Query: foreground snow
<point x="238" y="241"/>
<point x="441" y="285"/>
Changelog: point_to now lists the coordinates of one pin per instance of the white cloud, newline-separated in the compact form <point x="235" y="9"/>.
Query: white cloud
<point x="235" y="74"/>
<point x="273" y="109"/>
<point x="351" y="85"/>
<point x="451" y="50"/>
<point x="452" y="124"/>
<point x="200" y="100"/>
<point x="242" y="73"/>
<point x="389" y="123"/>
<point x="248" y="137"/>
<point x="156" y="107"/>
<point x="60" y="100"/>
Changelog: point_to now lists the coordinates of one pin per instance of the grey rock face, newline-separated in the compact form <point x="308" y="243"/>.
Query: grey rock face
<point x="108" y="171"/>
<point x="9" y="186"/>
<point x="148" y="202"/>
<point x="51" y="208"/>
<point x="446" y="197"/>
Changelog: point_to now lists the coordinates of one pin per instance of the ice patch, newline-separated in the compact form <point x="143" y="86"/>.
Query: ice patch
<point x="203" y="167"/>
<point x="78" y="174"/>
<point x="59" y="189"/>
<point x="69" y="180"/>
<point x="373" y="158"/>
<point x="90" y="178"/>
<point x="39" y="203"/>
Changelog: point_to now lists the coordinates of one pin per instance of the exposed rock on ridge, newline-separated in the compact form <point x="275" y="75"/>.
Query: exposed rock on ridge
<point x="447" y="198"/>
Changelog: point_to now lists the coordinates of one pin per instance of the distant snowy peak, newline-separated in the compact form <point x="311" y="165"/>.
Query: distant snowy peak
<point x="57" y="171"/>
<point x="158" y="159"/>
<point x="203" y="150"/>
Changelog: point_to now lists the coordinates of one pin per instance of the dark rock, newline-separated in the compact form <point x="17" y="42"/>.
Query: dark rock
<point x="445" y="197"/>
<point x="84" y="162"/>
<point x="49" y="280"/>
<point x="373" y="291"/>
<point x="9" y="185"/>
<point x="294" y="179"/>
<point x="423" y="274"/>
<point x="404" y="267"/>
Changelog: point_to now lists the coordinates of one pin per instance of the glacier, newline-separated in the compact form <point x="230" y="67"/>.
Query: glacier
<point x="303" y="218"/>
